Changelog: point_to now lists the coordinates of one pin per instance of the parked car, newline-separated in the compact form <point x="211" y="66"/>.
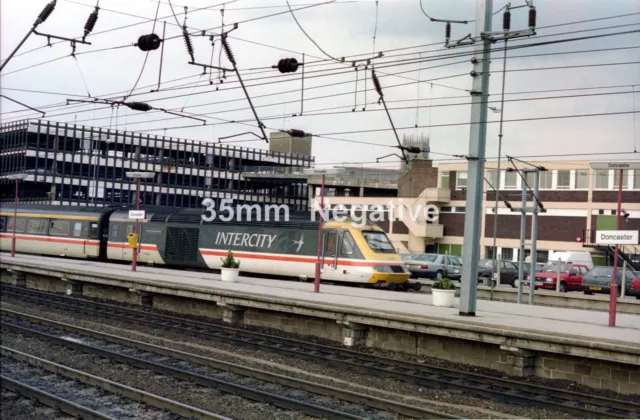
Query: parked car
<point x="527" y="267"/>
<point x="508" y="271"/>
<point x="571" y="276"/>
<point x="597" y="281"/>
<point x="433" y="266"/>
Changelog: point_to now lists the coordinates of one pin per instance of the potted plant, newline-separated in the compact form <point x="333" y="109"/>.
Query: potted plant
<point x="443" y="293"/>
<point x="230" y="268"/>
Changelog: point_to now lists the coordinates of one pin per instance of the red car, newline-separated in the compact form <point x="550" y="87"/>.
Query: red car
<point x="570" y="276"/>
<point x="634" y="288"/>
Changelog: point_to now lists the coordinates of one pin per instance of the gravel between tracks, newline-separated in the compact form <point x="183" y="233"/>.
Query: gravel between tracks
<point x="15" y="406"/>
<point x="205" y="398"/>
<point x="449" y="402"/>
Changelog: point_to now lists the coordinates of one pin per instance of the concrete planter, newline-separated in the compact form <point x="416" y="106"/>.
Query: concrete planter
<point x="230" y="274"/>
<point x="443" y="297"/>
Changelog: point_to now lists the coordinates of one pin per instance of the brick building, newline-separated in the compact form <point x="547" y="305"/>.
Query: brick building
<point x="578" y="199"/>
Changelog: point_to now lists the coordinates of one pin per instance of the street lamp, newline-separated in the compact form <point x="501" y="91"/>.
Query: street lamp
<point x="17" y="178"/>
<point x="139" y="176"/>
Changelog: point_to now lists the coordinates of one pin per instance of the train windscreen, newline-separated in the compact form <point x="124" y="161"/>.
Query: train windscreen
<point x="378" y="241"/>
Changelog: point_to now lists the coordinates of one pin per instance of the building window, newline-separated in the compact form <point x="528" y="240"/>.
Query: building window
<point x="444" y="179"/>
<point x="488" y="253"/>
<point x="636" y="179"/>
<point x="564" y="180"/>
<point x="446" y="209"/>
<point x="492" y="177"/>
<point x="459" y="209"/>
<point x="59" y="228"/>
<point x="582" y="179"/>
<point x="601" y="180"/>
<point x="461" y="180"/>
<point x="511" y="180"/>
<point x="625" y="179"/>
<point x="37" y="226"/>
<point x="545" y="180"/>
<point x="507" y="254"/>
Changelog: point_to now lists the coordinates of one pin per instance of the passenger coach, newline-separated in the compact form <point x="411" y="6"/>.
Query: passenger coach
<point x="66" y="231"/>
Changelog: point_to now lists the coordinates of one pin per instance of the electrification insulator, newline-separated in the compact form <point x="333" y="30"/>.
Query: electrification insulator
<point x="149" y="42"/>
<point x="46" y="12"/>
<point x="139" y="106"/>
<point x="376" y="82"/>
<point x="91" y="22"/>
<point x="447" y="31"/>
<point x="187" y="42"/>
<point x="412" y="149"/>
<point x="227" y="50"/>
<point x="506" y="20"/>
<point x="532" y="17"/>
<point x="296" y="133"/>
<point x="288" y="65"/>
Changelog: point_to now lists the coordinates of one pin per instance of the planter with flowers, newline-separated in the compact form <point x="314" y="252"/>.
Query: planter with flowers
<point x="443" y="293"/>
<point x="230" y="268"/>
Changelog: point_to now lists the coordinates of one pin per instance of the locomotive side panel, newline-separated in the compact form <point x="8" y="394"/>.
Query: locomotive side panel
<point x="261" y="249"/>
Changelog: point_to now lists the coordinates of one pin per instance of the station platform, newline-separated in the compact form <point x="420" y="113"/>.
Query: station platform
<point x="526" y="338"/>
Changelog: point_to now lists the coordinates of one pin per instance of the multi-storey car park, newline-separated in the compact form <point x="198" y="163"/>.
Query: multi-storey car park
<point x="67" y="164"/>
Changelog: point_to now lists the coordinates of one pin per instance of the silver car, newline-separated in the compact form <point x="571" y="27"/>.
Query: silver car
<point x="433" y="266"/>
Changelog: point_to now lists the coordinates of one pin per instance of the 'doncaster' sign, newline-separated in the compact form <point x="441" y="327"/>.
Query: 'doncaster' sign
<point x="617" y="237"/>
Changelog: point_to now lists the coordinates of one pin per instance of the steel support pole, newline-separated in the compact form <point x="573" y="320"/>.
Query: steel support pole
<point x="477" y="146"/>
<point x="534" y="238"/>
<point x="15" y="222"/>
<point x="316" y="286"/>
<point x="523" y="237"/>
<point x="613" y="286"/>
<point x="134" y="259"/>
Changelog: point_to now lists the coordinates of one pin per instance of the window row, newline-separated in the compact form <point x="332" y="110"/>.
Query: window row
<point x="44" y="226"/>
<point x="556" y="179"/>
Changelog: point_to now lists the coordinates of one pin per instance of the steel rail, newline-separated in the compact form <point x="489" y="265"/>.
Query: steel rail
<point x="421" y="374"/>
<point x="112" y="387"/>
<point x="191" y="377"/>
<point x="51" y="400"/>
<point x="363" y="399"/>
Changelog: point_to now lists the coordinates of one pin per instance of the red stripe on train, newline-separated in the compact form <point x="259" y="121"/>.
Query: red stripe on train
<point x="288" y="258"/>
<point x="51" y="239"/>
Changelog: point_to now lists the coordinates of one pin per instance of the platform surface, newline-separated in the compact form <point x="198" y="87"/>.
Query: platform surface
<point x="583" y="324"/>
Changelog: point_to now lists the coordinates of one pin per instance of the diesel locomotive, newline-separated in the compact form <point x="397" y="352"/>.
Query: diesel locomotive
<point x="173" y="237"/>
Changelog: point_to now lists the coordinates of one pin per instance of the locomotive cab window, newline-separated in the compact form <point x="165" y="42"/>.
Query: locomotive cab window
<point x="59" y="228"/>
<point x="348" y="244"/>
<point x="378" y="241"/>
<point x="77" y="229"/>
<point x="19" y="225"/>
<point x="93" y="231"/>
<point x="37" y="226"/>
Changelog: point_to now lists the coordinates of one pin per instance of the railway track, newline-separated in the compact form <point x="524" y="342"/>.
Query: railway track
<point x="228" y="377"/>
<point x="505" y="390"/>
<point x="83" y="395"/>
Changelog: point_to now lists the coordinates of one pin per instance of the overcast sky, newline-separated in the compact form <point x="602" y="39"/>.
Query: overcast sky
<point x="343" y="28"/>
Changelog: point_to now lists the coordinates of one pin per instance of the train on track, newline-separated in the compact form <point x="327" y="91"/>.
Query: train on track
<point x="181" y="238"/>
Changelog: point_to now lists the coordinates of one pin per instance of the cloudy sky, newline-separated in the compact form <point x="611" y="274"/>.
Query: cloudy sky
<point x="110" y="66"/>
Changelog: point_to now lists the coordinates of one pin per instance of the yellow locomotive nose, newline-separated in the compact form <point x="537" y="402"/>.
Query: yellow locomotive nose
<point x="396" y="273"/>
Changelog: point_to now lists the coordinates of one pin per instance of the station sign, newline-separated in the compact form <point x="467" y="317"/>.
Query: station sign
<point x="136" y="214"/>
<point x="616" y="165"/>
<point x="617" y="237"/>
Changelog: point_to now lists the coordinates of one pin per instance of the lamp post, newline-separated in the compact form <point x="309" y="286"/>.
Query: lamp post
<point x="138" y="176"/>
<point x="17" y="178"/>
